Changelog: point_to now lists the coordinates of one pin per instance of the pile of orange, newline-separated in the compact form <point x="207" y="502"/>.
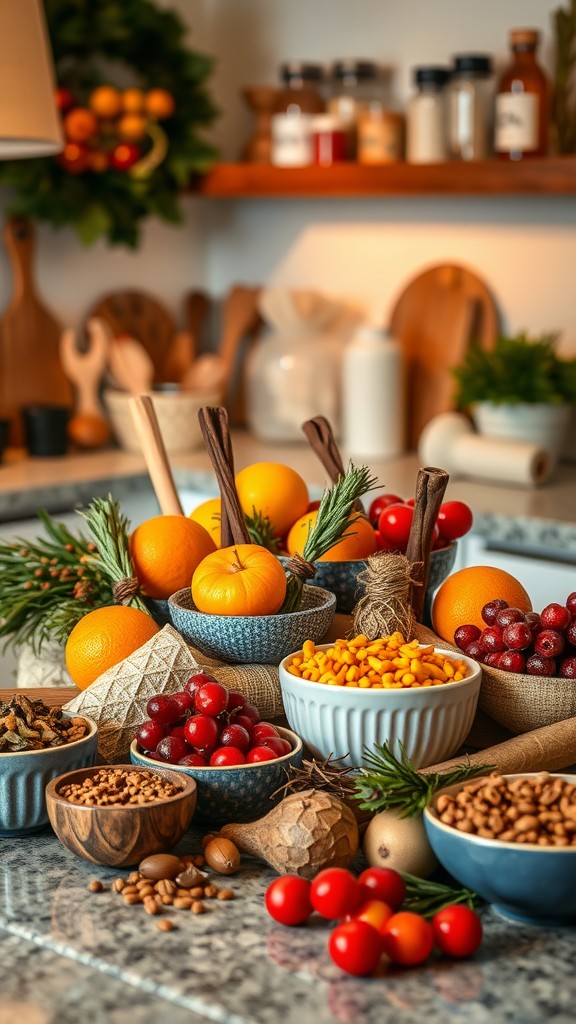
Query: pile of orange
<point x="461" y="597"/>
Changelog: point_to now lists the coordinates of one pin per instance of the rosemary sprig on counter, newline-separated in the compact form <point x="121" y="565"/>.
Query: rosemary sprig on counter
<point x="391" y="782"/>
<point x="336" y="506"/>
<point x="426" y="897"/>
<point x="109" y="528"/>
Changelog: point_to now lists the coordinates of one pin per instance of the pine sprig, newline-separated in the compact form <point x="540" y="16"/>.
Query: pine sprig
<point x="391" y="782"/>
<point x="261" y="531"/>
<point x="109" y="528"/>
<point x="427" y="898"/>
<point x="336" y="506"/>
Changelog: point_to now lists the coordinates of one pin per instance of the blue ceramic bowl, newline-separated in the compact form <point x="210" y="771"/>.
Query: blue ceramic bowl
<point x="239" y="792"/>
<point x="253" y="639"/>
<point x="341" y="578"/>
<point x="24" y="776"/>
<point x="524" y="882"/>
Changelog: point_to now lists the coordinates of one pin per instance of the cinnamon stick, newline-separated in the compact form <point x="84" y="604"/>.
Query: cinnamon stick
<point x="216" y="434"/>
<point x="323" y="443"/>
<point x="550" y="748"/>
<point x="431" y="485"/>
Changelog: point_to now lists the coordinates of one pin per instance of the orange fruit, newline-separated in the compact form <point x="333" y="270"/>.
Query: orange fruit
<point x="165" y="551"/>
<point x="275" y="490"/>
<point x="460" y="599"/>
<point x="133" y="101"/>
<point x="208" y="514"/>
<point x="159" y="103"/>
<point x="104" y="637"/>
<point x="80" y="124"/>
<point x="360" y="543"/>
<point x="132" y="126"/>
<point x="105" y="101"/>
<point x="244" y="579"/>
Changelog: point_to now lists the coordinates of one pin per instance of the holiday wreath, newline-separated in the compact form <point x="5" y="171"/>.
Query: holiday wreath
<point x="132" y="97"/>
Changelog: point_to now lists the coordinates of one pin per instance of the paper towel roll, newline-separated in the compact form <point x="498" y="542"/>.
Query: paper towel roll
<point x="449" y="440"/>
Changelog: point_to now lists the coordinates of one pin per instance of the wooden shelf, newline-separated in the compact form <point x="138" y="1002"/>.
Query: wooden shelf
<point x="550" y="176"/>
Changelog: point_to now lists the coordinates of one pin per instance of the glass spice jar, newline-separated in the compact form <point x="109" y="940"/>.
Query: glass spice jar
<point x="470" y="106"/>
<point x="353" y="84"/>
<point x="426" y="129"/>
<point x="291" y="123"/>
<point x="522" y="101"/>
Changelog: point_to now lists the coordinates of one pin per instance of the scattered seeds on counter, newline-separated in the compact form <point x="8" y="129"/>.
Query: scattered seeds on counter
<point x="95" y="886"/>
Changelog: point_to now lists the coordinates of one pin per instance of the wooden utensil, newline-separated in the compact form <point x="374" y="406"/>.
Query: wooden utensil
<point x="86" y="369"/>
<point x="131" y="366"/>
<point x="216" y="434"/>
<point x="30" y="369"/>
<point x="435" y="318"/>
<point x="321" y="438"/>
<point x="154" y="452"/>
<point x="179" y="357"/>
<point x="139" y="315"/>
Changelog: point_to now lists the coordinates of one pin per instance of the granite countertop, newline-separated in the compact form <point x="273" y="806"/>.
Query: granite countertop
<point x="69" y="955"/>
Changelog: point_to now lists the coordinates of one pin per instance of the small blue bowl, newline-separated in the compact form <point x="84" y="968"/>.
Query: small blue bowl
<point x="237" y="793"/>
<point x="525" y="882"/>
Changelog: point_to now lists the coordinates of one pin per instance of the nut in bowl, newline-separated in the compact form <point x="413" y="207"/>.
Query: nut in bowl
<point x="431" y="720"/>
<point x="118" y="814"/>
<point x="525" y="878"/>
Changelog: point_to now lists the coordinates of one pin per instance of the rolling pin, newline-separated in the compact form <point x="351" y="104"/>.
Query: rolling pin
<point x="449" y="440"/>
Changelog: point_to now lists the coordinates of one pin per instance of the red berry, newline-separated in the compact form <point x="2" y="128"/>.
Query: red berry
<point x="224" y="756"/>
<point x="262" y="729"/>
<point x="568" y="668"/>
<point x="570" y="633"/>
<point x="493" y="659"/>
<point x="506" y="616"/>
<point x="193" y="761"/>
<point x="260" y="754"/>
<point x="465" y="635"/>
<point x="201" y="732"/>
<point x="251" y="711"/>
<point x="172" y="749"/>
<point x="163" y="709"/>
<point x="490" y="610"/>
<point x="517" y="636"/>
<point x="538" y="665"/>
<point x="235" y="735"/>
<point x="555" y="616"/>
<point x="475" y="650"/>
<point x="550" y="643"/>
<point x="198" y="680"/>
<point x="276" y="744"/>
<point x="492" y="639"/>
<point x="211" y="699"/>
<point x="185" y="702"/>
<point x="149" y="735"/>
<point x="244" y="721"/>
<point x="571" y="603"/>
<point x="235" y="700"/>
<point x="533" y="621"/>
<point x="512" y="661"/>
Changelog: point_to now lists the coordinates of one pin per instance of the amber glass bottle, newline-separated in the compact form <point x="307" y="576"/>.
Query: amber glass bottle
<point x="522" y="101"/>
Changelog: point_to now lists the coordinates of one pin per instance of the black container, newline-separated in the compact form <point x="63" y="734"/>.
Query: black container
<point x="45" y="429"/>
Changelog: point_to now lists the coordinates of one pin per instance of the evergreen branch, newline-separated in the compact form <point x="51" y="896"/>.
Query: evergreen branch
<point x="109" y="528"/>
<point x="427" y="898"/>
<point x="261" y="531"/>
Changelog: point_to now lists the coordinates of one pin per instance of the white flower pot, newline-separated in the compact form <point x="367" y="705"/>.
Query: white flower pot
<point x="540" y="424"/>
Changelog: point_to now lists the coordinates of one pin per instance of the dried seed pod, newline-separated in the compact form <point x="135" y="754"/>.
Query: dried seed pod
<point x="306" y="832"/>
<point x="190" y="877"/>
<point x="222" y="856"/>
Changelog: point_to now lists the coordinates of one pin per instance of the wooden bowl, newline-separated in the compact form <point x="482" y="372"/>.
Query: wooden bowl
<point x="120" y="835"/>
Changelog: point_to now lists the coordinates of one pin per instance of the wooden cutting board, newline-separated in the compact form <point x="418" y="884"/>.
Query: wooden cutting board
<point x="30" y="369"/>
<point x="141" y="316"/>
<point x="435" y="318"/>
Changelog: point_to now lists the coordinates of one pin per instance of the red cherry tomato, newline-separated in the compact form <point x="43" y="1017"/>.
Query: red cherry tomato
<point x="408" y="939"/>
<point x="374" y="912"/>
<point x="287" y="900"/>
<point x="379" y="504"/>
<point x="334" y="893"/>
<point x="355" y="946"/>
<point x="457" y="930"/>
<point x="394" y="526"/>
<point x="383" y="884"/>
<point x="454" y="519"/>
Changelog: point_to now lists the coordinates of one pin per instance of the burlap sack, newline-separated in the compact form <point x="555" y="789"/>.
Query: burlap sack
<point x="117" y="699"/>
<point x="519" y="702"/>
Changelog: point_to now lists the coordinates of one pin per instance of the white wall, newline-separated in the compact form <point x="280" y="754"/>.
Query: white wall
<point x="365" y="250"/>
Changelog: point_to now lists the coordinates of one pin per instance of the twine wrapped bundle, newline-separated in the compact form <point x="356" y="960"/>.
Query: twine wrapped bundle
<point x="117" y="699"/>
<point x="385" y="603"/>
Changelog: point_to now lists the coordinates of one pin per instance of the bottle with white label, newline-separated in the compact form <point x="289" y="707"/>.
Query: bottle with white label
<point x="522" y="120"/>
<point x="373" y="419"/>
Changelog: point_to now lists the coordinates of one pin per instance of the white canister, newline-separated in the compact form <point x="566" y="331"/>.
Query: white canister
<point x="426" y="120"/>
<point x="373" y="408"/>
<point x="292" y="139"/>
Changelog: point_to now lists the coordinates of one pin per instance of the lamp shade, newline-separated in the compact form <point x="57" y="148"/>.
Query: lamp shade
<point x="29" y="119"/>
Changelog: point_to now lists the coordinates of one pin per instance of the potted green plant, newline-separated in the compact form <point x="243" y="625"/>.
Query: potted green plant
<point x="521" y="388"/>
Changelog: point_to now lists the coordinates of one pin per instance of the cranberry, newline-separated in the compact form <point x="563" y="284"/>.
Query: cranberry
<point x="571" y="603"/>
<point x="260" y="754"/>
<point x="276" y="744"/>
<point x="185" y="702"/>
<point x="172" y="749"/>
<point x="163" y="709"/>
<point x="211" y="699"/>
<point x="512" y="661"/>
<point x="251" y="712"/>
<point x="226" y="756"/>
<point x="235" y="700"/>
<point x="517" y="636"/>
<point x="555" y="616"/>
<point x="538" y="665"/>
<point x="490" y="610"/>
<point x="244" y="721"/>
<point x="235" y="735"/>
<point x="201" y="732"/>
<point x="570" y="633"/>
<point x="549" y="642"/>
<point x="568" y="668"/>
<point x="493" y="659"/>
<point x="507" y="616"/>
<point x="193" y="761"/>
<point x="465" y="635"/>
<point x="177" y="730"/>
<point x="262" y="729"/>
<point x="492" y="639"/>
<point x="198" y="680"/>
<point x="475" y="650"/>
<point x="533" y="621"/>
<point x="149" y="735"/>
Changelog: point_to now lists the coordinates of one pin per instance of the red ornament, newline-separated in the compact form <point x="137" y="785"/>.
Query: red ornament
<point x="124" y="156"/>
<point x="74" y="157"/>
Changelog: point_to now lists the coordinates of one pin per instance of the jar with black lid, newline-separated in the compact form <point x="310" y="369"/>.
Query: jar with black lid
<point x="353" y="85"/>
<point x="426" y="127"/>
<point x="297" y="102"/>
<point x="470" y="106"/>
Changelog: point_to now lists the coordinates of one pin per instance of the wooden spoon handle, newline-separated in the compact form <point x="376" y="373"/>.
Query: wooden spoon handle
<point x="216" y="434"/>
<point x="154" y="452"/>
<point x="431" y="484"/>
<point x="323" y="443"/>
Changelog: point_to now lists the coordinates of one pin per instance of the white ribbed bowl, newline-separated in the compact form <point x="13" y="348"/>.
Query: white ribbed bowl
<point x="431" y="722"/>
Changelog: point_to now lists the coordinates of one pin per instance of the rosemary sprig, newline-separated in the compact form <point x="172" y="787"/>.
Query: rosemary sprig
<point x="392" y="782"/>
<point x="261" y="531"/>
<point x="336" y="506"/>
<point x="109" y="528"/>
<point x="426" y="897"/>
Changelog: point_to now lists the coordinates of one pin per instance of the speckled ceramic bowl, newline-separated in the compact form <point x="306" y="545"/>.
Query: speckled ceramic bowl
<point x="239" y="792"/>
<point x="528" y="883"/>
<point x="256" y="639"/>
<point x="341" y="578"/>
<point x="24" y="776"/>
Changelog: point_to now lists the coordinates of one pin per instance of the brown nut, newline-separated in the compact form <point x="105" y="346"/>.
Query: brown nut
<point x="222" y="856"/>
<point x="160" y="865"/>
